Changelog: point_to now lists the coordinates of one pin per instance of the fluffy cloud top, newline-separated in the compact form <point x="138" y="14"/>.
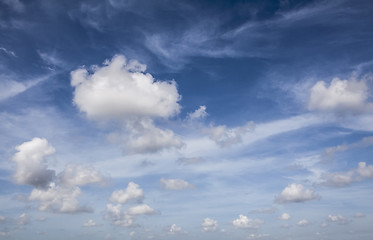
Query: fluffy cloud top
<point x="295" y="193"/>
<point x="285" y="216"/>
<point x="303" y="223"/>
<point x="142" y="209"/>
<point x="174" y="229"/>
<point x="76" y="175"/>
<point x="175" y="184"/>
<point x="121" y="90"/>
<point x="341" y="179"/>
<point x="209" y="225"/>
<point x="244" y="222"/>
<point x="133" y="192"/>
<point x="59" y="199"/>
<point x="31" y="163"/>
<point x="337" y="218"/>
<point x="90" y="223"/>
<point x="340" y="96"/>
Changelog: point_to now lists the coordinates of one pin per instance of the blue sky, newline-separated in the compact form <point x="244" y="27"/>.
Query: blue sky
<point x="125" y="119"/>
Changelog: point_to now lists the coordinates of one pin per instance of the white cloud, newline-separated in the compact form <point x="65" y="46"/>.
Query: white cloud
<point x="359" y="215"/>
<point x="295" y="193"/>
<point x="76" y="175"/>
<point x="59" y="199"/>
<point x="145" y="137"/>
<point x="198" y="114"/>
<point x="284" y="216"/>
<point x="303" y="223"/>
<point x="226" y="137"/>
<point x="209" y="225"/>
<point x="258" y="236"/>
<point x="31" y="163"/>
<point x="90" y="223"/>
<point x="340" y="96"/>
<point x="175" y="184"/>
<point x="118" y="217"/>
<point x="337" y="218"/>
<point x="174" y="229"/>
<point x="142" y="209"/>
<point x="122" y="91"/>
<point x="23" y="219"/>
<point x="245" y="222"/>
<point x="341" y="179"/>
<point x="133" y="192"/>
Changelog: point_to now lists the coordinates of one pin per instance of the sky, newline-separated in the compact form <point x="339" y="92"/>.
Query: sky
<point x="135" y="119"/>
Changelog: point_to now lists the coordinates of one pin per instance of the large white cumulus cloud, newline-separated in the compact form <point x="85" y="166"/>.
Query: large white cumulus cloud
<point x="296" y="193"/>
<point x="31" y="163"/>
<point x="121" y="90"/>
<point x="341" y="96"/>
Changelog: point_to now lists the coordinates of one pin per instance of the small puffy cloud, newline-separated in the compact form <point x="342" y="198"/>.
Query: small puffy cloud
<point x="284" y="216"/>
<point x="303" y="223"/>
<point x="341" y="96"/>
<point x="90" y="223"/>
<point x="337" y="219"/>
<point x="198" y="114"/>
<point x="133" y="192"/>
<point x="341" y="179"/>
<point x="246" y="223"/>
<point x="258" y="236"/>
<point x="209" y="225"/>
<point x="295" y="193"/>
<point x="121" y="90"/>
<point x="59" y="199"/>
<point x="226" y="137"/>
<point x="76" y="175"/>
<point x="142" y="209"/>
<point x="174" y="229"/>
<point x="31" y="163"/>
<point x="359" y="215"/>
<point x="175" y="184"/>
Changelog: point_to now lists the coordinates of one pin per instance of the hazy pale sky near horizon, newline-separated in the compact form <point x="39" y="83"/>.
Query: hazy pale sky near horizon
<point x="134" y="119"/>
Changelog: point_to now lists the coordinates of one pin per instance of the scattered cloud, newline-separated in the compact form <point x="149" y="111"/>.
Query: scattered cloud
<point x="209" y="225"/>
<point x="258" y="236"/>
<point x="31" y="163"/>
<point x="226" y="137"/>
<point x="341" y="96"/>
<point x="284" y="216"/>
<point x="247" y="223"/>
<point x="90" y="223"/>
<point x="359" y="215"/>
<point x="303" y="223"/>
<point x="8" y="52"/>
<point x="59" y="199"/>
<point x="341" y="179"/>
<point x="295" y="193"/>
<point x="175" y="184"/>
<point x="76" y="175"/>
<point x="337" y="219"/>
<point x="133" y="192"/>
<point x="174" y="229"/>
<point x="199" y="113"/>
